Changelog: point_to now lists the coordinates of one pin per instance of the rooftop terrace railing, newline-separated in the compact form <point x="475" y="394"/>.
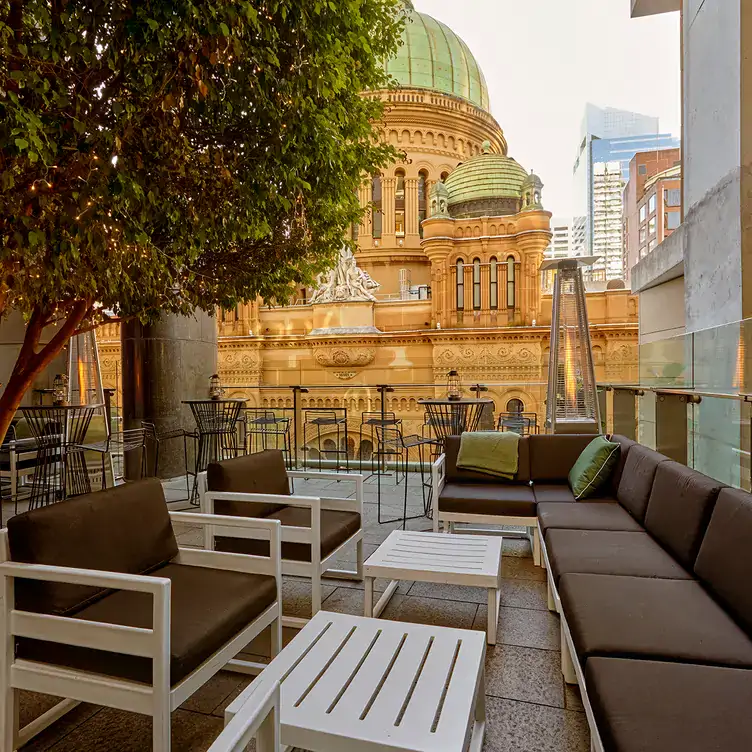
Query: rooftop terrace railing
<point x="693" y="401"/>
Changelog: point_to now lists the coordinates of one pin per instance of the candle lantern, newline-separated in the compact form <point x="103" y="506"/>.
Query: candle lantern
<point x="454" y="391"/>
<point x="60" y="389"/>
<point x="215" y="387"/>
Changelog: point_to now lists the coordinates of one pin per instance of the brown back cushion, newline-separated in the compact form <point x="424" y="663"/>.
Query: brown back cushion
<point x="122" y="529"/>
<point x="455" y="475"/>
<point x="261" y="473"/>
<point x="626" y="444"/>
<point x="724" y="562"/>
<point x="679" y="509"/>
<point x="552" y="455"/>
<point x="637" y="479"/>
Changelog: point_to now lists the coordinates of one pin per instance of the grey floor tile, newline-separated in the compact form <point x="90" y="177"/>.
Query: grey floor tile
<point x="573" y="698"/>
<point x="519" y="568"/>
<point x="460" y="593"/>
<point x="516" y="547"/>
<point x="296" y="596"/>
<point x="524" y="627"/>
<point x="32" y="707"/>
<point x="523" y="727"/>
<point x="431" y="611"/>
<point x="519" y="593"/>
<point x="215" y="692"/>
<point x="527" y="674"/>
<point x="118" y="731"/>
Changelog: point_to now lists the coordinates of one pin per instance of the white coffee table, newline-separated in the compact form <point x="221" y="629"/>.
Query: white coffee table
<point x="351" y="684"/>
<point x="472" y="560"/>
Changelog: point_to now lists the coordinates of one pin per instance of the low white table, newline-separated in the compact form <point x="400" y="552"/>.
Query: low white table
<point x="351" y="684"/>
<point x="472" y="560"/>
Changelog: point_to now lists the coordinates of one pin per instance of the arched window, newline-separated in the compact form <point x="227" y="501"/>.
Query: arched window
<point x="511" y="291"/>
<point x="399" y="204"/>
<point x="377" y="209"/>
<point x="460" y="285"/>
<point x="515" y="406"/>
<point x="444" y="176"/>
<point x="476" y="284"/>
<point x="494" y="285"/>
<point x="422" y="199"/>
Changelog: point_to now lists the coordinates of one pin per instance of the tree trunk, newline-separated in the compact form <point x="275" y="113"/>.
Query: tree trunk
<point x="31" y="363"/>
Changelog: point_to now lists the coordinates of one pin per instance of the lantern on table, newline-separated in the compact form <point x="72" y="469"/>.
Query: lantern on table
<point x="60" y="389"/>
<point x="454" y="391"/>
<point x="215" y="387"/>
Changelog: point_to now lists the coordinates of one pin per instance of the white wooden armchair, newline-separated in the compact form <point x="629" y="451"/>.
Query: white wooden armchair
<point x="258" y="719"/>
<point x="316" y="531"/>
<point x="100" y="605"/>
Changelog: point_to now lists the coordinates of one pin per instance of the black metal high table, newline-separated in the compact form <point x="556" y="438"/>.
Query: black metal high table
<point x="61" y="465"/>
<point x="216" y="421"/>
<point x="454" y="417"/>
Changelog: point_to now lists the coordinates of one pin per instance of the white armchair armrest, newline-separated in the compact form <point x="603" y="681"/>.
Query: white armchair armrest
<point x="259" y="718"/>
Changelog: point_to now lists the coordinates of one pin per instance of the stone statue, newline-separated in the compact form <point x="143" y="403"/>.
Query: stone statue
<point x="345" y="282"/>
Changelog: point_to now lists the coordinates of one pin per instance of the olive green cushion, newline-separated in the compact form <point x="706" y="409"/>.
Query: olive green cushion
<point x="593" y="467"/>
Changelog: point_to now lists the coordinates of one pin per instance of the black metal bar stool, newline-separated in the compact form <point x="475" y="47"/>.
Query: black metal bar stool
<point x="369" y="420"/>
<point x="393" y="444"/>
<point x="264" y="429"/>
<point x="324" y="418"/>
<point x="155" y="438"/>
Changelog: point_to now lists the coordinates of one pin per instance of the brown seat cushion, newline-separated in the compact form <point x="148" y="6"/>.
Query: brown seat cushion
<point x="724" y="563"/>
<point x="589" y="515"/>
<point x="643" y="617"/>
<point x="671" y="707"/>
<point x="455" y="475"/>
<point x="609" y="552"/>
<point x="336" y="528"/>
<point x="679" y="509"/>
<point x="261" y="473"/>
<point x="626" y="444"/>
<point x="503" y="500"/>
<point x="553" y="492"/>
<point x="208" y="608"/>
<point x="637" y="479"/>
<point x="553" y="455"/>
<point x="123" y="529"/>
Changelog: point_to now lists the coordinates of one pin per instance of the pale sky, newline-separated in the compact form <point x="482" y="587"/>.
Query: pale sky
<point x="544" y="59"/>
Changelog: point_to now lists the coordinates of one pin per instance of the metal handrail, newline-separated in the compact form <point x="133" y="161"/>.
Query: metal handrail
<point x="682" y="391"/>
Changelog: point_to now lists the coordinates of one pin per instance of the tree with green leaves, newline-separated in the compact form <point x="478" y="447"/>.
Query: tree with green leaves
<point x="165" y="155"/>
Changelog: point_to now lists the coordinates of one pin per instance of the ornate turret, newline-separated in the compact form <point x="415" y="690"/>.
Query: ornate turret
<point x="532" y="188"/>
<point x="439" y="200"/>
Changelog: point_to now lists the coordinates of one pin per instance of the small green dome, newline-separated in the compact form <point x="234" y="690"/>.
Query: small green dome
<point x="489" y="184"/>
<point x="432" y="56"/>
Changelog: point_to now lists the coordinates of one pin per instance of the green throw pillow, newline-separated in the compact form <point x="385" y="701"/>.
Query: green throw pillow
<point x="593" y="467"/>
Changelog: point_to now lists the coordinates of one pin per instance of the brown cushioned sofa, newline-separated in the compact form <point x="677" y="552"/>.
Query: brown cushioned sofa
<point x="653" y="590"/>
<point x="101" y="605"/>
<point x="544" y="463"/>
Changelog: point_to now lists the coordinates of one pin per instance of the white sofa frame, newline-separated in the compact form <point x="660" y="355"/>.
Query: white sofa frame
<point x="317" y="567"/>
<point x="570" y="664"/>
<point x="449" y="519"/>
<point x="159" y="698"/>
<point x="259" y="720"/>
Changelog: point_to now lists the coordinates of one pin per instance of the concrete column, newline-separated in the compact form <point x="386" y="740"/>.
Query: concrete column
<point x="387" y="204"/>
<point x="164" y="364"/>
<point x="411" y="206"/>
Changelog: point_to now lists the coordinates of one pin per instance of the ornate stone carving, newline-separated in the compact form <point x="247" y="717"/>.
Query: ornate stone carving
<point x="344" y="357"/>
<point x="345" y="282"/>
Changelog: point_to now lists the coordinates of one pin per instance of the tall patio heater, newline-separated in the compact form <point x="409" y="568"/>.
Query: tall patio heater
<point x="572" y="402"/>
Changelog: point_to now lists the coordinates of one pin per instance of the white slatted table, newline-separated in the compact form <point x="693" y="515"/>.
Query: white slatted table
<point x="352" y="684"/>
<point x="472" y="560"/>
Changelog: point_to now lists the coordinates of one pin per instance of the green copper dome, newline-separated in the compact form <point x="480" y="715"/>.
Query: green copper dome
<point x="432" y="56"/>
<point x="489" y="184"/>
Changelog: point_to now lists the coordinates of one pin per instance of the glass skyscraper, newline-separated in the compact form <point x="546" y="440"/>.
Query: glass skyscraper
<point x="609" y="140"/>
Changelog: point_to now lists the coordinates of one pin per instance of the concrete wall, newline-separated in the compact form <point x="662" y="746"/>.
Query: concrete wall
<point x="713" y="93"/>
<point x="12" y="331"/>
<point x="662" y="311"/>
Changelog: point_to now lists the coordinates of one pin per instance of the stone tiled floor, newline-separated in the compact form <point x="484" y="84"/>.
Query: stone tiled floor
<point x="529" y="707"/>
